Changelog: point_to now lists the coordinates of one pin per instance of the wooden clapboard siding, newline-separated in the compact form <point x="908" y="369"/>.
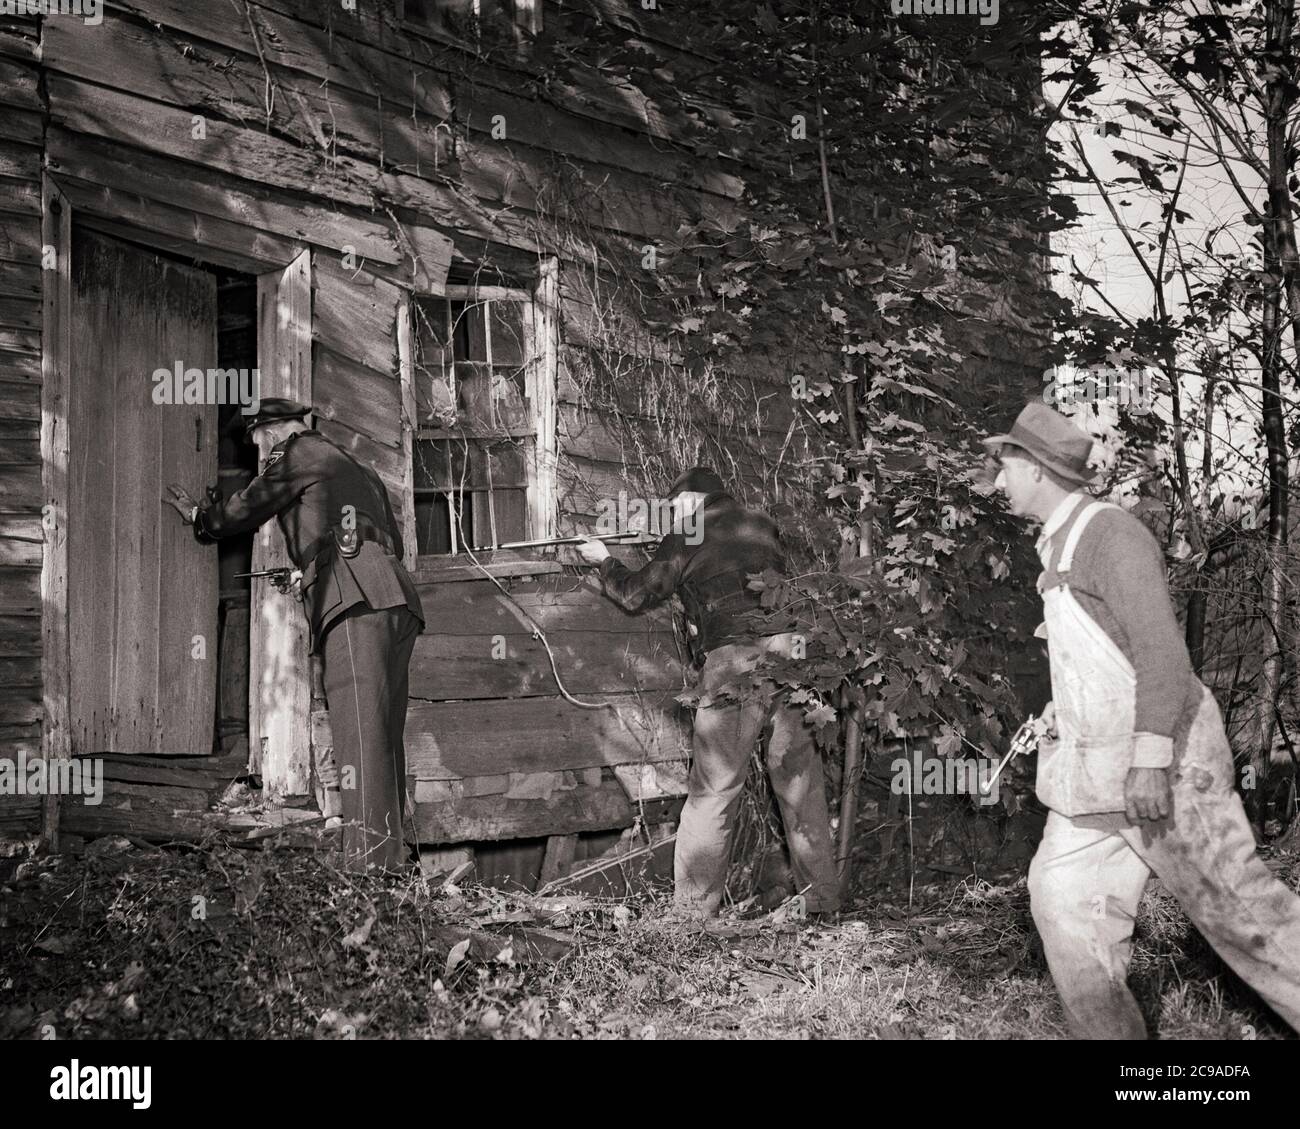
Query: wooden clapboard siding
<point x="449" y="740"/>
<point x="584" y="807"/>
<point x="21" y="529"/>
<point x="356" y="380"/>
<point x="496" y="751"/>
<point x="479" y="644"/>
<point x="218" y="194"/>
<point x="455" y="666"/>
<point x="369" y="38"/>
<point x="491" y="171"/>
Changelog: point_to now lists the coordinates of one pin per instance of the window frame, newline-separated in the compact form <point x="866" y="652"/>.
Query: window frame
<point x="540" y="323"/>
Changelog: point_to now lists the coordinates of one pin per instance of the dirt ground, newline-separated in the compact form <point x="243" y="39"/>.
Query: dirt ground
<point x="218" y="942"/>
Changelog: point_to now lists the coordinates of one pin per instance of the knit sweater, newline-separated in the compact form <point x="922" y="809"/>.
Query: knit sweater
<point x="1118" y="578"/>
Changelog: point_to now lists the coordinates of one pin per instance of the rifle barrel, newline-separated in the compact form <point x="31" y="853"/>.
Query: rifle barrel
<point x="562" y="541"/>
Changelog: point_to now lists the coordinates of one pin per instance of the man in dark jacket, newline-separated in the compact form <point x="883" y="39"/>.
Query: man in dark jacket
<point x="715" y="546"/>
<point x="361" y="606"/>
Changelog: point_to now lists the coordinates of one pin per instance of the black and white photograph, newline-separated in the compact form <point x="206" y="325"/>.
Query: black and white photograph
<point x="651" y="520"/>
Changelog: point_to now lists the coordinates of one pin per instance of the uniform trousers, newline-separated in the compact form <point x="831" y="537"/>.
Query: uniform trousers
<point x="366" y="659"/>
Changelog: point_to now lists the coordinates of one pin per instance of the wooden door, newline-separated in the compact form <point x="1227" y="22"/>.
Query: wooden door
<point x="142" y="593"/>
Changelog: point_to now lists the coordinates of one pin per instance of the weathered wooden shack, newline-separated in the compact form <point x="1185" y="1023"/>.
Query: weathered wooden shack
<point x="355" y="201"/>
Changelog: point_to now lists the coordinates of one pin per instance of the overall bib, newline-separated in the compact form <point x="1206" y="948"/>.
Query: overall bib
<point x="1088" y="874"/>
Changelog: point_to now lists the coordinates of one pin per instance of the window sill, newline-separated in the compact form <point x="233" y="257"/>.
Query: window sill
<point x="501" y="564"/>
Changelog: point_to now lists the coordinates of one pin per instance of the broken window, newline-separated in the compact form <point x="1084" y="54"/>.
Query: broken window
<point x="476" y="359"/>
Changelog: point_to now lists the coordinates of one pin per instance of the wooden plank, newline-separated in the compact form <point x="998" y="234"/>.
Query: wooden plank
<point x="21" y="671"/>
<point x="25" y="126"/>
<point x="20" y="39"/>
<point x="20" y="197"/>
<point x="20" y="280"/>
<point x="20" y="240"/>
<point x="367" y="400"/>
<point x="447" y="667"/>
<point x="569" y="603"/>
<point x="446" y="570"/>
<point x="178" y="232"/>
<point x="20" y="634"/>
<point x="319" y="111"/>
<point x="20" y="591"/>
<point x="387" y="461"/>
<point x="480" y="818"/>
<point x="543" y="374"/>
<point x="189" y="583"/>
<point x="149" y="811"/>
<point x="293" y="34"/>
<point x="208" y="773"/>
<point x="21" y="312"/>
<point x="635" y="202"/>
<point x="405" y="500"/>
<point x="279" y="670"/>
<point x="456" y="739"/>
<point x="218" y="194"/>
<point x="19" y="400"/>
<point x="558" y="859"/>
<point x="20" y="162"/>
<point x="20" y="705"/>
<point x="354" y="314"/>
<point x="20" y="816"/>
<point x="21" y="540"/>
<point x="261" y="163"/>
<point x="86" y="507"/>
<point x="20" y="488"/>
<point x="587" y="485"/>
<point x="25" y="341"/>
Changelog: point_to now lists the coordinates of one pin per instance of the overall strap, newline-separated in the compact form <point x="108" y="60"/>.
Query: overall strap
<point x="1076" y="531"/>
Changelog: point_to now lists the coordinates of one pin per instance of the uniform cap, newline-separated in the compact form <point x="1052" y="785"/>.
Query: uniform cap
<point x="273" y="409"/>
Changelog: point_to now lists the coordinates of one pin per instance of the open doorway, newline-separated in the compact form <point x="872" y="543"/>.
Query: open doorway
<point x="236" y="467"/>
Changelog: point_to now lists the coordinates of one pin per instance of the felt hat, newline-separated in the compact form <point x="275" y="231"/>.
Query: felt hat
<point x="1051" y="438"/>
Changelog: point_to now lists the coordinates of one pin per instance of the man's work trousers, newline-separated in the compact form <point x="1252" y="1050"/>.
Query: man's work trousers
<point x="1089" y="873"/>
<point x="366" y="659"/>
<point x="726" y="731"/>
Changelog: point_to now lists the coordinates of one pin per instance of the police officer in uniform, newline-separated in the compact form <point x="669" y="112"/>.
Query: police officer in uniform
<point x="361" y="605"/>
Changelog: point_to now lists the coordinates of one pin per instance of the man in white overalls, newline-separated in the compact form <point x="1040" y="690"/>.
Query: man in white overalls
<point x="1138" y="776"/>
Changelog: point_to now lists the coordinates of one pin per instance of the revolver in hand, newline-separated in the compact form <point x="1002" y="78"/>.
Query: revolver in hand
<point x="283" y="580"/>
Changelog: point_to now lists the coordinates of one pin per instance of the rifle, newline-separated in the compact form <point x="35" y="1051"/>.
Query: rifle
<point x="279" y="577"/>
<point x="643" y="538"/>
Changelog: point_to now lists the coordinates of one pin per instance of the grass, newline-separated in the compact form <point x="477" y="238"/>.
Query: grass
<point x="218" y="942"/>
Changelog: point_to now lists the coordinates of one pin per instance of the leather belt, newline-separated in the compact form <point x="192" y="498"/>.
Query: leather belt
<point x="364" y="532"/>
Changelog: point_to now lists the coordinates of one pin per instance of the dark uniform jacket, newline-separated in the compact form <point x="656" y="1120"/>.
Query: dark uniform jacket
<point x="306" y="484"/>
<point x="711" y="577"/>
